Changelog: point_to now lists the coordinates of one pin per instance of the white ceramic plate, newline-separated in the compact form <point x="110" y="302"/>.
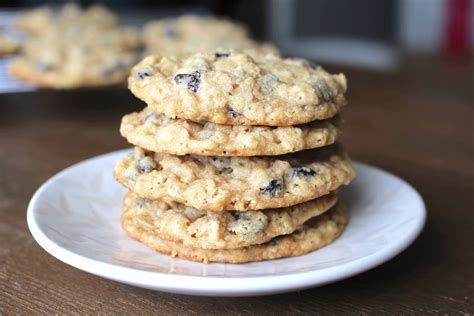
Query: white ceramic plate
<point x="75" y="217"/>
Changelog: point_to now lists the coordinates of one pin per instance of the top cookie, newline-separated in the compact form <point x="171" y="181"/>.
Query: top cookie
<point x="237" y="89"/>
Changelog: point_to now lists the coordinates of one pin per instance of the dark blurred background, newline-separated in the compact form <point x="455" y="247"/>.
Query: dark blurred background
<point x="365" y="33"/>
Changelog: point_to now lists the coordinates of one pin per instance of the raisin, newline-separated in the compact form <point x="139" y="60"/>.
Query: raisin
<point x="143" y="74"/>
<point x="142" y="201"/>
<point x="222" y="164"/>
<point x="146" y="165"/>
<point x="326" y="92"/>
<point x="274" y="241"/>
<point x="220" y="55"/>
<point x="237" y="215"/>
<point x="145" y="168"/>
<point x="303" y="172"/>
<point x="232" y="113"/>
<point x="191" y="81"/>
<point x="273" y="188"/>
<point x="226" y="170"/>
<point x="220" y="160"/>
<point x="248" y="223"/>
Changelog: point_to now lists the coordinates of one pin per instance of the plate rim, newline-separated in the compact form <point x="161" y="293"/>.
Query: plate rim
<point x="221" y="285"/>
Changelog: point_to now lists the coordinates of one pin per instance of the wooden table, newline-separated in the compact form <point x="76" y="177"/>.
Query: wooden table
<point x="415" y="123"/>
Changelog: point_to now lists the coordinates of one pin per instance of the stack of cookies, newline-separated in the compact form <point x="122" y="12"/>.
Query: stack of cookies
<point x="236" y="157"/>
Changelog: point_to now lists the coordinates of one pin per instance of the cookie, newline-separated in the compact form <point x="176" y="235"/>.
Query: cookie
<point x="315" y="234"/>
<point x="219" y="230"/>
<point x="191" y="34"/>
<point x="237" y="89"/>
<point x="71" y="58"/>
<point x="39" y="21"/>
<point x="235" y="183"/>
<point x="158" y="133"/>
<point x="76" y="48"/>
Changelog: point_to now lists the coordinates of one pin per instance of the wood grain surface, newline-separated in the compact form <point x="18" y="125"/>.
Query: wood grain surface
<point x="416" y="123"/>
